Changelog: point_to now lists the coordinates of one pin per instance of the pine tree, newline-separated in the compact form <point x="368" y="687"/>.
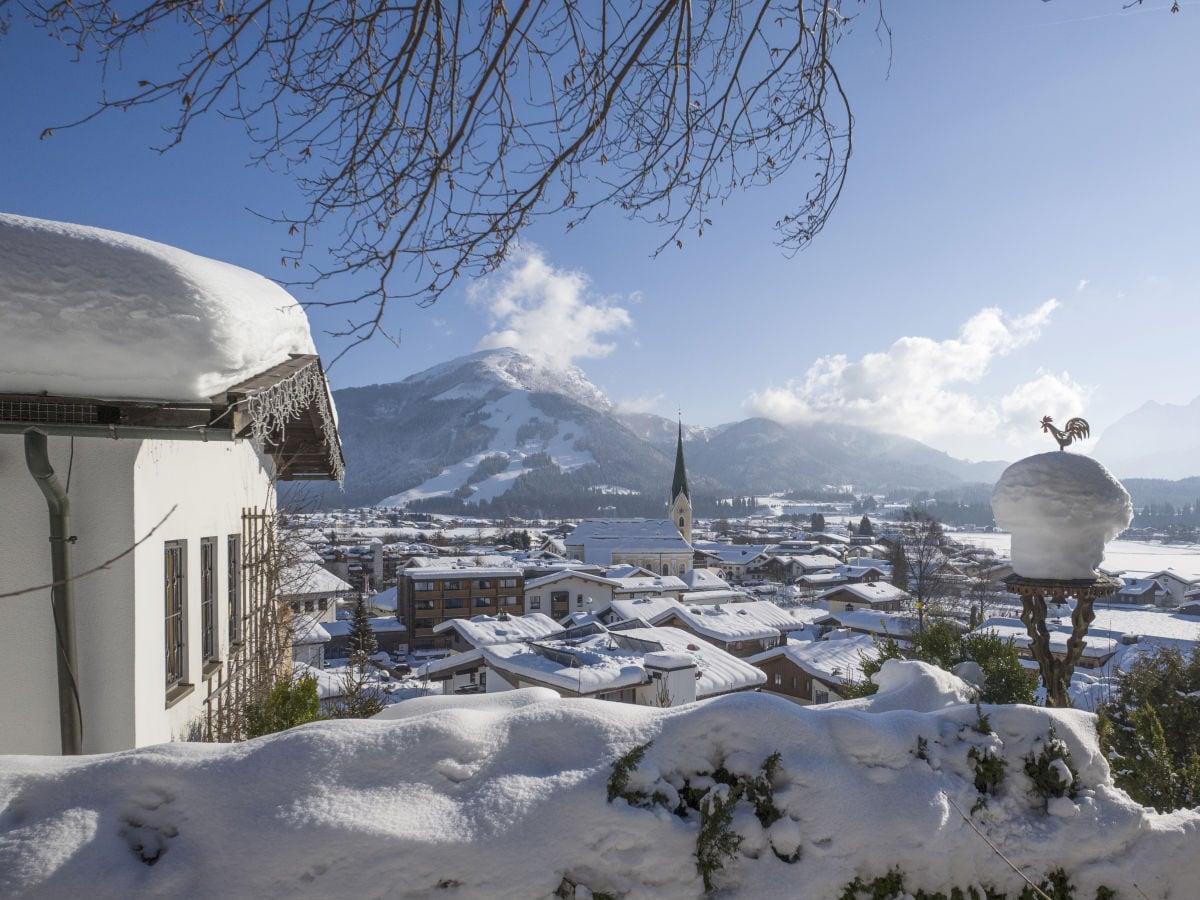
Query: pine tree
<point x="361" y="639"/>
<point x="865" y="527"/>
<point x="1150" y="730"/>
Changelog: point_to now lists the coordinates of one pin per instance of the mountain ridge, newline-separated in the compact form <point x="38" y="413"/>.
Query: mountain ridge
<point x="503" y="431"/>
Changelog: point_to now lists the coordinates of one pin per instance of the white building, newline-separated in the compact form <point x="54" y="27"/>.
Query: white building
<point x="149" y="399"/>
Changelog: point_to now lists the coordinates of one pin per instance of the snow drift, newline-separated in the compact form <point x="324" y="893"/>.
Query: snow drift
<point x="505" y="797"/>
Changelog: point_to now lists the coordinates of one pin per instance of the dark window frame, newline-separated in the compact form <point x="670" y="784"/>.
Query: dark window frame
<point x="175" y="611"/>
<point x="210" y="644"/>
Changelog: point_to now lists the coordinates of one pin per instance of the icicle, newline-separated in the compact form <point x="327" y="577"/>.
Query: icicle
<point x="271" y="409"/>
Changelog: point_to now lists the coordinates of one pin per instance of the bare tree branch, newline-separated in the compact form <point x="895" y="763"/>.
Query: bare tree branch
<point x="426" y="135"/>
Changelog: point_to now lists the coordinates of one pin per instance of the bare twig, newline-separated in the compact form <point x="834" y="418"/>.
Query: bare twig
<point x="1037" y="890"/>
<point x="92" y="571"/>
<point x="426" y="136"/>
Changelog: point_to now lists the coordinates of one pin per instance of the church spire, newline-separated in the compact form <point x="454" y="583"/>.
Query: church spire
<point x="679" y="483"/>
<point x="681" y="497"/>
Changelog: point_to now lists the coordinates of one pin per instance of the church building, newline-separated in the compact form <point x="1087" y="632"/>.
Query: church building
<point x="662" y="546"/>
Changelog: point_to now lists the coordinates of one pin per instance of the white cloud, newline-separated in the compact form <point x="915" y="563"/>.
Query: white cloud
<point x="928" y="389"/>
<point x="647" y="404"/>
<point x="1083" y="282"/>
<point x="546" y="312"/>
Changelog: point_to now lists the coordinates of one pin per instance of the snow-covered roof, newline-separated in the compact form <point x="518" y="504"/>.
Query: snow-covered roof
<point x="704" y="580"/>
<point x="869" y="591"/>
<point x="307" y="630"/>
<point x="873" y="622"/>
<point x="838" y="659"/>
<point x="94" y="313"/>
<point x="1097" y="645"/>
<point x="386" y="599"/>
<point x="565" y="574"/>
<point x="657" y="584"/>
<point x="379" y="624"/>
<point x="600" y="538"/>
<point x="310" y="579"/>
<point x="608" y="662"/>
<point x="465" y="572"/>
<point x="645" y="608"/>
<point x="117" y="335"/>
<point x="737" y="554"/>
<point x="485" y="631"/>
<point x="725" y="623"/>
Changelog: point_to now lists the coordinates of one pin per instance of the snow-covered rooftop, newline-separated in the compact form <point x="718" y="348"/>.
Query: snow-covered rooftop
<point x="484" y="631"/>
<point x="95" y="313"/>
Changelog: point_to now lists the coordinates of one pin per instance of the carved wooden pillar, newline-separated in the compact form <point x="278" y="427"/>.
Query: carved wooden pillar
<point x="1056" y="672"/>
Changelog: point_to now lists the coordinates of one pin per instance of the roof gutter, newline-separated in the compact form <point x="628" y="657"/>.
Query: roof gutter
<point x="62" y="591"/>
<point x="130" y="432"/>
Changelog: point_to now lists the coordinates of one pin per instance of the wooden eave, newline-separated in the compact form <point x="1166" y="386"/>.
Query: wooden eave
<point x="300" y="446"/>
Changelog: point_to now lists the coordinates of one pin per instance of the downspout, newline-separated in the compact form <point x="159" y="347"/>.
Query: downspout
<point x="62" y="592"/>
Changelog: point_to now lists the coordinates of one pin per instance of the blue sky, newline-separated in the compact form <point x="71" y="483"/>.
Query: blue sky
<point x="1016" y="238"/>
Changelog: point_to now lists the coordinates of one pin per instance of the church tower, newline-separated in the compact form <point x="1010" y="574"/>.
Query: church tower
<point x="681" y="497"/>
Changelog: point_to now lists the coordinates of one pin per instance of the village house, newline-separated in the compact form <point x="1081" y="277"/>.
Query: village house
<point x="876" y="595"/>
<point x="569" y="591"/>
<point x="426" y="597"/>
<point x="149" y="402"/>
<point x="815" y="672"/>
<point x="627" y="664"/>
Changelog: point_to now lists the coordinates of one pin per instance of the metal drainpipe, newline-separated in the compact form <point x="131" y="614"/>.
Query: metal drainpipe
<point x="62" y="594"/>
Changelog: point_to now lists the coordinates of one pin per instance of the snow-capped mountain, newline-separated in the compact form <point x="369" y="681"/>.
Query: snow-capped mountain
<point x="493" y="423"/>
<point x="503" y="429"/>
<point x="1158" y="440"/>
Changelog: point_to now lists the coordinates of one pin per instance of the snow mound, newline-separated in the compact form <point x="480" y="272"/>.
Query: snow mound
<point x="449" y="802"/>
<point x="1062" y="508"/>
<point x="909" y="684"/>
<point x="95" y="313"/>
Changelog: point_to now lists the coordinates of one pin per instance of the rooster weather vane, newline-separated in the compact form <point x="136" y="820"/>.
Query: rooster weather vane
<point x="1075" y="429"/>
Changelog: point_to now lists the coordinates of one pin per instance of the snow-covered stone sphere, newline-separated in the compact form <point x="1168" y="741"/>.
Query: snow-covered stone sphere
<point x="1062" y="508"/>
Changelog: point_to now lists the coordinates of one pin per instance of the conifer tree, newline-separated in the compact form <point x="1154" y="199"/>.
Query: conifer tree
<point x="361" y="638"/>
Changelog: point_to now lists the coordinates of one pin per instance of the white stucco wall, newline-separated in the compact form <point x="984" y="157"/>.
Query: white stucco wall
<point x="101" y="518"/>
<point x="118" y="491"/>
<point x="210" y="483"/>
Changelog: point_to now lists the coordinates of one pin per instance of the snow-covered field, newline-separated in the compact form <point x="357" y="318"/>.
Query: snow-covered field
<point x="1135" y="558"/>
<point x="504" y="796"/>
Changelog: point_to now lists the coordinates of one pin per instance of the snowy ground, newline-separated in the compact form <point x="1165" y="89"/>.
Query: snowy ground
<point x="504" y="796"/>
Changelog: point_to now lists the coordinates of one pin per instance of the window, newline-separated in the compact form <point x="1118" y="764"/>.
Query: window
<point x="422" y="585"/>
<point x="208" y="599"/>
<point x="483" y="601"/>
<point x="681" y="523"/>
<point x="452" y="603"/>
<point x="450" y="586"/>
<point x="422" y="623"/>
<point x="778" y="680"/>
<point x="482" y="584"/>
<point x="323" y="604"/>
<point x="308" y="606"/>
<point x="423" y="604"/>
<point x="508" y="601"/>
<point x="175" y="598"/>
<point x="579" y="601"/>
<point x="666" y="569"/>
<point x="535" y="602"/>
<point x="233" y="590"/>
<point x="508" y="582"/>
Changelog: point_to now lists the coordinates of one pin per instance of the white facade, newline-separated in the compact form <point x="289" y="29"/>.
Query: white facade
<point x="119" y="491"/>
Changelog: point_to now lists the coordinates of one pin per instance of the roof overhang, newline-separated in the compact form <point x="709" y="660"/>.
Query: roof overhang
<point x="286" y="410"/>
